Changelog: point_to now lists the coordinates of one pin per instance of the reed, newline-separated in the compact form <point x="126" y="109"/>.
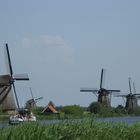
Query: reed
<point x="72" y="130"/>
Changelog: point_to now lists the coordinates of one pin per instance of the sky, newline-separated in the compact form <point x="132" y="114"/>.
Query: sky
<point x="63" y="45"/>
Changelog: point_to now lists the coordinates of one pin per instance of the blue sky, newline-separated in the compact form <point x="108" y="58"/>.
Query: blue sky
<point x="63" y="45"/>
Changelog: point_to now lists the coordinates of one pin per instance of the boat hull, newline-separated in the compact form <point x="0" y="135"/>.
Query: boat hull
<point x="13" y="120"/>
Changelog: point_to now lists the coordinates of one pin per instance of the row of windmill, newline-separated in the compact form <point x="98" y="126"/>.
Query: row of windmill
<point x="7" y="87"/>
<point x="104" y="95"/>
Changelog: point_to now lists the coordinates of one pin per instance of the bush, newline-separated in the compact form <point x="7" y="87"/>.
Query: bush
<point x="100" y="110"/>
<point x="95" y="107"/>
<point x="120" y="110"/>
<point x="135" y="111"/>
<point x="72" y="110"/>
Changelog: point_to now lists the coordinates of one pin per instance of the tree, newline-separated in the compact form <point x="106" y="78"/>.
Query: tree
<point x="95" y="107"/>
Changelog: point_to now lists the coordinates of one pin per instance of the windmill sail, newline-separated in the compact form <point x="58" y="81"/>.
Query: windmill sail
<point x="5" y="80"/>
<point x="6" y="95"/>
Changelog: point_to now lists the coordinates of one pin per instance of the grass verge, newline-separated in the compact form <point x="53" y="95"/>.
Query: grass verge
<point x="83" y="130"/>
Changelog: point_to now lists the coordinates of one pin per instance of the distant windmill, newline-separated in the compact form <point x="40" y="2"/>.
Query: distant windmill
<point x="102" y="93"/>
<point x="7" y="86"/>
<point x="31" y="103"/>
<point x="131" y="99"/>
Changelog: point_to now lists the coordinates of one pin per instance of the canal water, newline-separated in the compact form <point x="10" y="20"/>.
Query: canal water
<point x="127" y="120"/>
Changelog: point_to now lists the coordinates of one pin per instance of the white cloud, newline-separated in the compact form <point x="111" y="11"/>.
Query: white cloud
<point x="46" y="40"/>
<point x="50" y="48"/>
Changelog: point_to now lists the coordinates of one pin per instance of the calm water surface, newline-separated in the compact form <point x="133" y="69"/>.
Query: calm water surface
<point x="128" y="120"/>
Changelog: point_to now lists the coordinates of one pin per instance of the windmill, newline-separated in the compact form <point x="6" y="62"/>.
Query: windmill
<point x="7" y="86"/>
<point x="31" y="103"/>
<point x="102" y="93"/>
<point x="131" y="99"/>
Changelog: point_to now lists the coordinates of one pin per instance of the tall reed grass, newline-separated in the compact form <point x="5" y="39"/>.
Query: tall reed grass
<point x="84" y="130"/>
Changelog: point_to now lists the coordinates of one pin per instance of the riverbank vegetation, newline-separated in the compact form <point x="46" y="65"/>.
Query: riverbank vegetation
<point x="95" y="109"/>
<point x="102" y="111"/>
<point x="70" y="130"/>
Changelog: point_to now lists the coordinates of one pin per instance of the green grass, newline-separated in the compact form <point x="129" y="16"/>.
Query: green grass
<point x="84" y="130"/>
<point x="4" y="118"/>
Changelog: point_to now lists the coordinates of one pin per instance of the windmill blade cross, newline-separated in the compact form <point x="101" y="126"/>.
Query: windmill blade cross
<point x="15" y="77"/>
<point x="31" y="93"/>
<point x="101" y="80"/>
<point x="136" y="94"/>
<point x="88" y="90"/>
<point x="129" y="80"/>
<point x="113" y="90"/>
<point x="11" y="72"/>
<point x="134" y="87"/>
<point x="20" y="77"/>
<point x="38" y="98"/>
<point x="14" y="88"/>
<point x="9" y="60"/>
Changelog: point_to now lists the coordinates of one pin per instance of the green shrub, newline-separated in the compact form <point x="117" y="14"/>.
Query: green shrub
<point x="102" y="111"/>
<point x="73" y="110"/>
<point x="135" y="111"/>
<point x="95" y="107"/>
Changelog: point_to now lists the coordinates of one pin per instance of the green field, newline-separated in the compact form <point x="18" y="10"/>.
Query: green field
<point x="84" y="130"/>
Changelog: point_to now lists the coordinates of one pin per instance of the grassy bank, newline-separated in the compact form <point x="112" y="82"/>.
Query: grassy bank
<point x="84" y="130"/>
<point x="4" y="118"/>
